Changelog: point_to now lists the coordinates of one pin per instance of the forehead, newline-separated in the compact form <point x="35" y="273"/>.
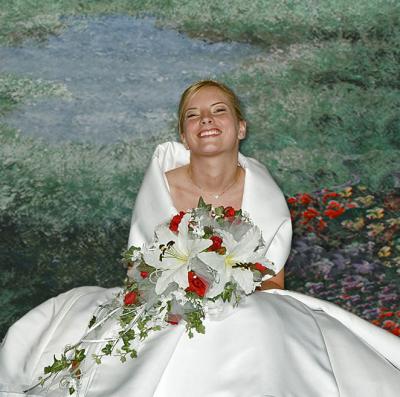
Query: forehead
<point x="207" y="96"/>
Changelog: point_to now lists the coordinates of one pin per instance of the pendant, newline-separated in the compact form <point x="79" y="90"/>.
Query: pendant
<point x="216" y="196"/>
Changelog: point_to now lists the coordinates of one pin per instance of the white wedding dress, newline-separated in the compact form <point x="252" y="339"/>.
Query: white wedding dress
<point x="277" y="343"/>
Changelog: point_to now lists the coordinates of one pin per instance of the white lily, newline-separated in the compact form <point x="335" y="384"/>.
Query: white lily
<point x="243" y="251"/>
<point x="174" y="260"/>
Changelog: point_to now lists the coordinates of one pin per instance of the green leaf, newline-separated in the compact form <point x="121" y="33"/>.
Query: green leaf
<point x="219" y="211"/>
<point x="202" y="204"/>
<point x="71" y="390"/>
<point x="107" y="349"/>
<point x="92" y="321"/>
<point x="208" y="231"/>
<point x="97" y="359"/>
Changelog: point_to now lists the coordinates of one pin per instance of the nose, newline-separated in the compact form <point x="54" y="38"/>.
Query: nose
<point x="206" y="119"/>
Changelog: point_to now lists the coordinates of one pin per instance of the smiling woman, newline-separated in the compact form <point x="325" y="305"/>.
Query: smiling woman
<point x="201" y="259"/>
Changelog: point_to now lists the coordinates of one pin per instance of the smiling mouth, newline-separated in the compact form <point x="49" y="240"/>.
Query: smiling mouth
<point x="210" y="133"/>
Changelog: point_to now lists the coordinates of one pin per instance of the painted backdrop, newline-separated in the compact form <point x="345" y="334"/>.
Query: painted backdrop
<point x="88" y="89"/>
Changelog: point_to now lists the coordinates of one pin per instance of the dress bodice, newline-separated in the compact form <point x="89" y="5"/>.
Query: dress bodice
<point x="262" y="200"/>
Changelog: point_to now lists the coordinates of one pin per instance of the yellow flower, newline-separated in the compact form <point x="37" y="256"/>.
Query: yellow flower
<point x="347" y="192"/>
<point x="375" y="213"/>
<point x="384" y="252"/>
<point x="375" y="229"/>
<point x="357" y="225"/>
<point x="366" y="200"/>
<point x="393" y="221"/>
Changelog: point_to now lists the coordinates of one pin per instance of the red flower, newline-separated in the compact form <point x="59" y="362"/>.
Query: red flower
<point x="75" y="368"/>
<point x="216" y="245"/>
<point x="144" y="274"/>
<point x="310" y="213"/>
<point x="229" y="212"/>
<point x="258" y="266"/>
<point x="173" y="318"/>
<point x="389" y="324"/>
<point x="328" y="195"/>
<point x="196" y="284"/>
<point x="334" y="209"/>
<point x="322" y="224"/>
<point x="175" y="221"/>
<point x="292" y="200"/>
<point x="305" y="199"/>
<point x="130" y="298"/>
<point x="395" y="331"/>
<point x="386" y="314"/>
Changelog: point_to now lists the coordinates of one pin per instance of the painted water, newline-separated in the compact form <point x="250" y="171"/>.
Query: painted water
<point x="123" y="77"/>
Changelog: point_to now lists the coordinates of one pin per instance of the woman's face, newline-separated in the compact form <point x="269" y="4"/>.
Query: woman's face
<point x="210" y="123"/>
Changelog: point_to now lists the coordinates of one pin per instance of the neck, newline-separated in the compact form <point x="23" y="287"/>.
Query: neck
<point x="214" y="174"/>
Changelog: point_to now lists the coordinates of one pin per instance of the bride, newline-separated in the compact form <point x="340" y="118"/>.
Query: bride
<point x="276" y="343"/>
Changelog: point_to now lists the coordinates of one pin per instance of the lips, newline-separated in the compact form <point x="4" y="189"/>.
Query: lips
<point x="209" y="133"/>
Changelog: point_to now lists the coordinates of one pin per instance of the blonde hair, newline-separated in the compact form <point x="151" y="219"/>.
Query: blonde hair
<point x="195" y="87"/>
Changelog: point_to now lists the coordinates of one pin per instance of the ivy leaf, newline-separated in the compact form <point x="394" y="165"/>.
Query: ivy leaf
<point x="202" y="204"/>
<point x="107" y="349"/>
<point x="92" y="321"/>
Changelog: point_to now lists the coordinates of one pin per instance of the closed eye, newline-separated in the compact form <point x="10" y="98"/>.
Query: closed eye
<point x="219" y="110"/>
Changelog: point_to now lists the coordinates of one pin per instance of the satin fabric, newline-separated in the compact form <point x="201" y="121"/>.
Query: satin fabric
<point x="276" y="343"/>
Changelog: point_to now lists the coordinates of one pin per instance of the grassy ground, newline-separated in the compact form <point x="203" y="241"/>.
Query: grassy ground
<point x="322" y="108"/>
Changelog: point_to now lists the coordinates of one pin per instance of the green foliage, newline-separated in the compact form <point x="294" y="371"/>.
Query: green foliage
<point x="322" y="106"/>
<point x="268" y="22"/>
<point x="325" y="115"/>
<point x="15" y="89"/>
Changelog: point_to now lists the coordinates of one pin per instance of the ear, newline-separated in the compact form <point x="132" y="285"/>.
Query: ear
<point x="242" y="129"/>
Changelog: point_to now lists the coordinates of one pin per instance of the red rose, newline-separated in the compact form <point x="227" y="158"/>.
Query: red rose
<point x="305" y="199"/>
<point x="173" y="318"/>
<point x="328" y="195"/>
<point x="258" y="266"/>
<point x="322" y="224"/>
<point x="130" y="298"/>
<point x="334" y="209"/>
<point x="175" y="221"/>
<point x="310" y="213"/>
<point x="396" y="331"/>
<point x="229" y="212"/>
<point x="144" y="274"/>
<point x="292" y="200"/>
<point x="196" y="284"/>
<point x="216" y="245"/>
<point x="388" y="324"/>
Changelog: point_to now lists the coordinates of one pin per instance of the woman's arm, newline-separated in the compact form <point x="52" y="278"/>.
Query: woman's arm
<point x="276" y="282"/>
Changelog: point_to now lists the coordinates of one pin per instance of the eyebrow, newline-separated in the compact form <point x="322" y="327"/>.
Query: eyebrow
<point x="213" y="104"/>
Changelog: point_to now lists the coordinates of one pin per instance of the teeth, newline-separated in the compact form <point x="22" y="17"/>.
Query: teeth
<point x="209" y="133"/>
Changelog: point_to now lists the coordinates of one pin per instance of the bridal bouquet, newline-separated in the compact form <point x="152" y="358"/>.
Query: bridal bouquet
<point x="199" y="262"/>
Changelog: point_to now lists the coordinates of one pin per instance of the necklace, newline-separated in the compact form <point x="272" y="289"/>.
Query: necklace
<point x="215" y="195"/>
